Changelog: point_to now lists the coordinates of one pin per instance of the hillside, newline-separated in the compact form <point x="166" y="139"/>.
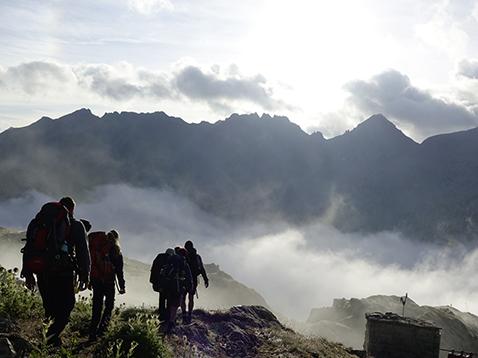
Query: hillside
<point x="242" y="331"/>
<point x="345" y="321"/>
<point x="251" y="168"/>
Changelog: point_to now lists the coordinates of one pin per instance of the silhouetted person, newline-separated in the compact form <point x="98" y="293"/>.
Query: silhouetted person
<point x="179" y="282"/>
<point x="158" y="282"/>
<point x="65" y="256"/>
<point x="197" y="268"/>
<point x="106" y="267"/>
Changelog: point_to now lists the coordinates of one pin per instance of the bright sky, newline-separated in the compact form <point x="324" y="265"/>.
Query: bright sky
<point x="327" y="65"/>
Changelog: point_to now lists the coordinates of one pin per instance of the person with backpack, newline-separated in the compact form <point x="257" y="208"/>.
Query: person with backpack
<point x="56" y="251"/>
<point x="197" y="268"/>
<point x="106" y="268"/>
<point x="157" y="281"/>
<point x="177" y="279"/>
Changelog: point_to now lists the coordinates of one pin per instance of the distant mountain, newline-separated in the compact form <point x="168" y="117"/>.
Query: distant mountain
<point x="345" y="321"/>
<point x="258" y="167"/>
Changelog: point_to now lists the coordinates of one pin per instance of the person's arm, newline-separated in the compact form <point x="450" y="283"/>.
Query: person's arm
<point x="82" y="252"/>
<point x="119" y="264"/>
<point x="189" y="276"/>
<point x="203" y="272"/>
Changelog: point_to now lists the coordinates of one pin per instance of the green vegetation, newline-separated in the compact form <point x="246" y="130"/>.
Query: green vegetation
<point x="16" y="302"/>
<point x="135" y="332"/>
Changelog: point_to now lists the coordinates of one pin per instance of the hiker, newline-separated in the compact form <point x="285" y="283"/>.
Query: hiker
<point x="178" y="281"/>
<point x="106" y="267"/>
<point x="197" y="268"/>
<point x="56" y="251"/>
<point x="158" y="283"/>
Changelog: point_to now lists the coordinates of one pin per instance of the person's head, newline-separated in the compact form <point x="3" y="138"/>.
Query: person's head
<point x="68" y="203"/>
<point x="86" y="224"/>
<point x="189" y="245"/>
<point x="170" y="252"/>
<point x="181" y="251"/>
<point x="113" y="235"/>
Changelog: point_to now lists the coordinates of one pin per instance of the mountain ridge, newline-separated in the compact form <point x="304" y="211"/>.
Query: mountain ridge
<point x="251" y="166"/>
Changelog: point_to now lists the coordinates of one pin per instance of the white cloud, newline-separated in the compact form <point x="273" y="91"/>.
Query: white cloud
<point x="147" y="7"/>
<point x="445" y="30"/>
<point x="122" y="82"/>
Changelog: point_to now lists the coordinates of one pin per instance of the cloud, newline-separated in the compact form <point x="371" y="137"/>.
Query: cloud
<point x="147" y="7"/>
<point x="446" y="29"/>
<point x="307" y="266"/>
<point x="31" y="77"/>
<point x="220" y="90"/>
<point x="468" y="68"/>
<point x="417" y="110"/>
<point x="211" y="87"/>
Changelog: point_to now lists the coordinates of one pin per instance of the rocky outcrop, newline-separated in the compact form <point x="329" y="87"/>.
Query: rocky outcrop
<point x="250" y="331"/>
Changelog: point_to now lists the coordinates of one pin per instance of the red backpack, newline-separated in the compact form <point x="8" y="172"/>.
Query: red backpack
<point x="48" y="242"/>
<point x="101" y="248"/>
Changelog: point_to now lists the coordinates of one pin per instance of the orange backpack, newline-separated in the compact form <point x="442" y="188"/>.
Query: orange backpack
<point x="101" y="249"/>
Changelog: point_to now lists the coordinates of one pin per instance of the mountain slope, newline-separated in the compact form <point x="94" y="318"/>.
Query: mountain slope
<point x="258" y="167"/>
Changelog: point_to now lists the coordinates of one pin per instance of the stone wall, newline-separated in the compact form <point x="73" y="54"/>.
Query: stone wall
<point x="392" y="336"/>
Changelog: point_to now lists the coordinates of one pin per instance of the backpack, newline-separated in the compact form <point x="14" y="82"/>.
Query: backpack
<point x="195" y="263"/>
<point x="155" y="275"/>
<point x="172" y="277"/>
<point x="101" y="247"/>
<point x="48" y="243"/>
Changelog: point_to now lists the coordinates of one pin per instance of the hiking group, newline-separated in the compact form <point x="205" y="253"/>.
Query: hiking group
<point x="61" y="259"/>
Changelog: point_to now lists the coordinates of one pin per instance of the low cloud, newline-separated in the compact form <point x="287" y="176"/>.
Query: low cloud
<point x="294" y="268"/>
<point x="414" y="109"/>
<point x="219" y="89"/>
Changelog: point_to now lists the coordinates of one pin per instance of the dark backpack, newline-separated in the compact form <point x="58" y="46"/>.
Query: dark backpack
<point x="195" y="263"/>
<point x="48" y="243"/>
<point x="172" y="276"/>
<point x="101" y="249"/>
<point x="155" y="276"/>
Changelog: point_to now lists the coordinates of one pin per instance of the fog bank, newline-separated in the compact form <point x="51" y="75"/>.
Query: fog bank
<point x="294" y="268"/>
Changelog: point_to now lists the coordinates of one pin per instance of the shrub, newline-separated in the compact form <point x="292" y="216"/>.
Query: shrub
<point x="81" y="316"/>
<point x="136" y="337"/>
<point x="16" y="301"/>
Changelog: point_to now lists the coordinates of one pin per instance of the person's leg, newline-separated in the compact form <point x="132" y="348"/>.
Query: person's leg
<point x="63" y="301"/>
<point x="173" y="305"/>
<point x="162" y="306"/>
<point x="98" y="294"/>
<point x="109" y="305"/>
<point x="42" y="282"/>
<point x="191" y="299"/>
<point x="184" y="313"/>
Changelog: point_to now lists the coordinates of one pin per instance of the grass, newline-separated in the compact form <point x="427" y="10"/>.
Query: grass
<point x="133" y="332"/>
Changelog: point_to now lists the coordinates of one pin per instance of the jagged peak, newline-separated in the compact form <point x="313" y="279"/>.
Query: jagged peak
<point x="82" y="113"/>
<point x="377" y="121"/>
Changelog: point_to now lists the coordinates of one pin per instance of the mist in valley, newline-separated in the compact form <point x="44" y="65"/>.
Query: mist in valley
<point x="293" y="268"/>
